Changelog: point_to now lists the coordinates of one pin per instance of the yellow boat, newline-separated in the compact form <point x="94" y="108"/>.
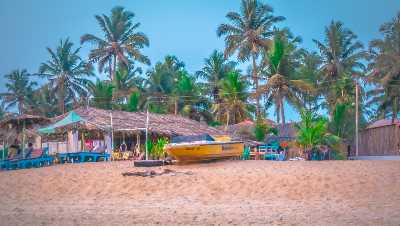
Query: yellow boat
<point x="204" y="150"/>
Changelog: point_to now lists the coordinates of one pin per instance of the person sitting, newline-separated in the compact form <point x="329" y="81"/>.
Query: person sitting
<point x="123" y="147"/>
<point x="15" y="150"/>
<point x="29" y="151"/>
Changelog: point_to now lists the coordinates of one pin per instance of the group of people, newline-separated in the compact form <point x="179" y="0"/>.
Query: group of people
<point x="15" y="151"/>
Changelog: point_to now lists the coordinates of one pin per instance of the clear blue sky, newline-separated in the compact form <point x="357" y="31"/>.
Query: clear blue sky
<point x="185" y="28"/>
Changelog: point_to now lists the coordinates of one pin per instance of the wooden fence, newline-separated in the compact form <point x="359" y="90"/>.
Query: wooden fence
<point x="380" y="141"/>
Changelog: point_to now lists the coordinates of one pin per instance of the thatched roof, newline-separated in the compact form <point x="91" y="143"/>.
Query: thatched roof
<point x="11" y="126"/>
<point x="19" y="119"/>
<point x="163" y="124"/>
<point x="244" y="131"/>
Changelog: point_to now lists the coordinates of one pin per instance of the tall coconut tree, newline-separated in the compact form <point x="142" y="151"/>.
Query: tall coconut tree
<point x="121" y="41"/>
<point x="309" y="70"/>
<point x="19" y="90"/>
<point x="67" y="73"/>
<point x="385" y="69"/>
<point x="282" y="85"/>
<point x="234" y="98"/>
<point x="248" y="33"/>
<point x="44" y="102"/>
<point x="215" y="69"/>
<point x="342" y="57"/>
<point x="102" y="92"/>
<point x="126" y="81"/>
<point x="161" y="82"/>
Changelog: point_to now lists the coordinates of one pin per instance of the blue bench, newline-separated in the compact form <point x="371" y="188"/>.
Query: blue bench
<point x="39" y="158"/>
<point x="83" y="157"/>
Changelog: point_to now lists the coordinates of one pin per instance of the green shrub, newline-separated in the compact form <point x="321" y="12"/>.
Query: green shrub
<point x="215" y="124"/>
<point x="156" y="148"/>
<point x="336" y="155"/>
<point x="260" y="130"/>
<point x="133" y="103"/>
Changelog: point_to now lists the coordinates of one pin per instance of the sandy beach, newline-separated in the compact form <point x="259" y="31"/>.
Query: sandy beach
<point x="222" y="193"/>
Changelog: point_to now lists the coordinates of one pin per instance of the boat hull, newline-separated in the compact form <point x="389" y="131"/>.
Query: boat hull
<point x="202" y="152"/>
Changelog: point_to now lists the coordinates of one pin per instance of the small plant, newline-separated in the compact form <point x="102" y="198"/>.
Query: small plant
<point x="156" y="148"/>
<point x="313" y="132"/>
<point x="133" y="103"/>
<point x="260" y="129"/>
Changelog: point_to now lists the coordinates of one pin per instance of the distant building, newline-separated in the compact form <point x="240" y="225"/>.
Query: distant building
<point x="381" y="138"/>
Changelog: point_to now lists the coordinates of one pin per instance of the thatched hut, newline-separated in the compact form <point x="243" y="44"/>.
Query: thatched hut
<point x="22" y="128"/>
<point x="287" y="132"/>
<point x="244" y="131"/>
<point x="112" y="128"/>
<point x="381" y="138"/>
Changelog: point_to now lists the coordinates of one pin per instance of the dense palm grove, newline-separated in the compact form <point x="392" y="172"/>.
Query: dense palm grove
<point x="280" y="74"/>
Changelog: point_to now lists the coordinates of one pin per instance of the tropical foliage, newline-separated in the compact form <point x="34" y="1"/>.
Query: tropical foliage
<point x="67" y="73"/>
<point x="313" y="132"/>
<point x="280" y="74"/>
<point x="121" y="42"/>
<point x="385" y="70"/>
<point x="19" y="90"/>
<point x="248" y="33"/>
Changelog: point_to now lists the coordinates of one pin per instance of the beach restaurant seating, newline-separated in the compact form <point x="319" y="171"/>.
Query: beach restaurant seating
<point x="38" y="158"/>
<point x="272" y="152"/>
<point x="84" y="156"/>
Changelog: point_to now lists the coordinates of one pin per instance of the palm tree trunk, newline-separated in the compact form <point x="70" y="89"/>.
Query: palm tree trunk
<point x="61" y="96"/>
<point x="277" y="112"/>
<point x="282" y="112"/>
<point x="176" y="106"/>
<point x="113" y="68"/>
<point x="395" y="109"/>
<point x="255" y="79"/>
<point x="20" y="107"/>
<point x="110" y="68"/>
<point x="227" y="120"/>
<point x="283" y="119"/>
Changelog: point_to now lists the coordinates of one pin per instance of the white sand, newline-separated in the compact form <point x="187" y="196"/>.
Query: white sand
<point x="233" y="192"/>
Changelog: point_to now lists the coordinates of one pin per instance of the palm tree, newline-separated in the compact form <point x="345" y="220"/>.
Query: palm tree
<point x="313" y="132"/>
<point x="385" y="67"/>
<point x="215" y="69"/>
<point x="162" y="79"/>
<point x="282" y="85"/>
<point x="248" y="33"/>
<point x="127" y="81"/>
<point x="342" y="57"/>
<point x="44" y="102"/>
<point x="121" y="42"/>
<point x="19" y="90"/>
<point x="309" y="70"/>
<point x="234" y="98"/>
<point x="102" y="92"/>
<point x="66" y="72"/>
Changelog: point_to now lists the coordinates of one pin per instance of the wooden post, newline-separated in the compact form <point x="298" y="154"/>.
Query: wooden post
<point x="23" y="139"/>
<point x="356" y="118"/>
<point x="147" y="133"/>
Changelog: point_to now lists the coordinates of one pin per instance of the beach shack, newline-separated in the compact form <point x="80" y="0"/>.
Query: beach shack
<point x="21" y="129"/>
<point x="381" y="138"/>
<point x="90" y="129"/>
